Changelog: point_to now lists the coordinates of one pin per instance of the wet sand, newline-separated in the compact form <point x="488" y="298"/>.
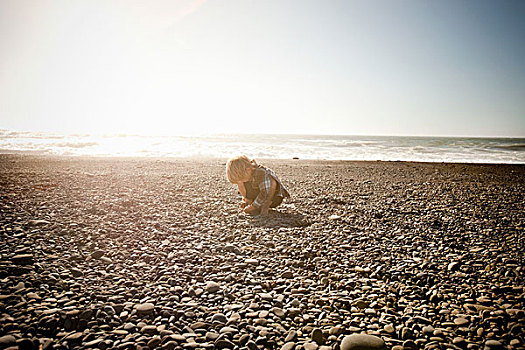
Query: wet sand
<point x="142" y="253"/>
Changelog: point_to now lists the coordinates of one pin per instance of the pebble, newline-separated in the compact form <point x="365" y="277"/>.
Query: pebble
<point x="410" y="345"/>
<point x="219" y="317"/>
<point x="317" y="336"/>
<point x="154" y="342"/>
<point x="38" y="222"/>
<point x="461" y="321"/>
<point x="428" y="330"/>
<point x="129" y="326"/>
<point x="97" y="254"/>
<point x="212" y="336"/>
<point x="94" y="342"/>
<point x="254" y="262"/>
<point x="493" y="344"/>
<point x="145" y="308"/>
<point x="453" y="266"/>
<point x="459" y="341"/>
<point x="278" y="312"/>
<point x="390" y="328"/>
<point x="370" y="312"/>
<point x="7" y="340"/>
<point x="224" y="344"/>
<point x="310" y="346"/>
<point x="33" y="296"/>
<point x="362" y="342"/>
<point x="74" y="337"/>
<point x="233" y="249"/>
<point x="154" y="254"/>
<point x="212" y="287"/>
<point x="19" y="286"/>
<point x="228" y="330"/>
<point x="292" y="336"/>
<point x="23" y="259"/>
<point x="149" y="329"/>
<point x="287" y="274"/>
<point x="362" y="304"/>
<point x="76" y="273"/>
<point x="288" y="346"/>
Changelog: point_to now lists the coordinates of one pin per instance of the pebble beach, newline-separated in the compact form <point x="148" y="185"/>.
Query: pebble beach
<point x="107" y="253"/>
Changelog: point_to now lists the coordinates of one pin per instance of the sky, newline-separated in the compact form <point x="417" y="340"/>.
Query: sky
<point x="391" y="67"/>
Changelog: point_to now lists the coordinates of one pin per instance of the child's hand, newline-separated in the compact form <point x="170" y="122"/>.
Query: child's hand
<point x="245" y="202"/>
<point x="249" y="209"/>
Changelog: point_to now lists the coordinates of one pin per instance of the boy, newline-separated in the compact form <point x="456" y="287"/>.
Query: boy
<point x="259" y="186"/>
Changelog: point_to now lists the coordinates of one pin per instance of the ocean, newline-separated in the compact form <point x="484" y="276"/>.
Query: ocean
<point x="329" y="147"/>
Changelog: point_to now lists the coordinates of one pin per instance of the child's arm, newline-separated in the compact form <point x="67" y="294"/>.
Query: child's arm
<point x="245" y="201"/>
<point x="242" y="189"/>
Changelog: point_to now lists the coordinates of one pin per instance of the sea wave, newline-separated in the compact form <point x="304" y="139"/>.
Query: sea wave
<point x="74" y="144"/>
<point x="7" y="134"/>
<point x="516" y="147"/>
<point x="385" y="148"/>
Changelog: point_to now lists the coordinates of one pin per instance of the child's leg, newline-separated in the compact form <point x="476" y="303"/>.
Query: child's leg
<point x="276" y="200"/>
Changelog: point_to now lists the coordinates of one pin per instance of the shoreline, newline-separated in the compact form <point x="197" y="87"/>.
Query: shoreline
<point x="22" y="154"/>
<point x="140" y="252"/>
<point x="399" y="148"/>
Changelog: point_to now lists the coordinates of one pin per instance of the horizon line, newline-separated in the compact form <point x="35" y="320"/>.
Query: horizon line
<point x="200" y="134"/>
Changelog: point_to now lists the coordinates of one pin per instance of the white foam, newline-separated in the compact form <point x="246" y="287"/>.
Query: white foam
<point x="427" y="149"/>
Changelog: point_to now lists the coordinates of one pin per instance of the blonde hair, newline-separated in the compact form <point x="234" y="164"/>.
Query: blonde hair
<point x="236" y="168"/>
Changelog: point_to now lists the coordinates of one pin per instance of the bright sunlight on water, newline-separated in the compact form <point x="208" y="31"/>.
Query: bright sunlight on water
<point x="386" y="148"/>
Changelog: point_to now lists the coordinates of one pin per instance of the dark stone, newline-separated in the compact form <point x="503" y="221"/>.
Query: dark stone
<point x="22" y="259"/>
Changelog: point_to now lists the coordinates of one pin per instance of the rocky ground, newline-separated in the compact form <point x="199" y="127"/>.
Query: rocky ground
<point x="126" y="254"/>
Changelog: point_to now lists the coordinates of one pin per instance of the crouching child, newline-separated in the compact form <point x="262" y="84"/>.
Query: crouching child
<point x="260" y="188"/>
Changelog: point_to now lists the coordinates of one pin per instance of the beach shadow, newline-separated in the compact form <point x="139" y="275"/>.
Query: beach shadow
<point x="279" y="219"/>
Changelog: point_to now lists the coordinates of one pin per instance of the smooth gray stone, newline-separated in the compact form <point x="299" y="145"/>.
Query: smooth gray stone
<point x="212" y="287"/>
<point x="219" y="317"/>
<point x="288" y="346"/>
<point x="291" y="337"/>
<point x="362" y="342"/>
<point x="7" y="340"/>
<point x="97" y="254"/>
<point x="145" y="309"/>
<point x="493" y="344"/>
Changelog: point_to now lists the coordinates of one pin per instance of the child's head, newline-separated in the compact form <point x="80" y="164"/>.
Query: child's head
<point x="238" y="168"/>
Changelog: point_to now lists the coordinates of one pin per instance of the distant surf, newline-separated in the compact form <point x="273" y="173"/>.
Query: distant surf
<point x="329" y="147"/>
